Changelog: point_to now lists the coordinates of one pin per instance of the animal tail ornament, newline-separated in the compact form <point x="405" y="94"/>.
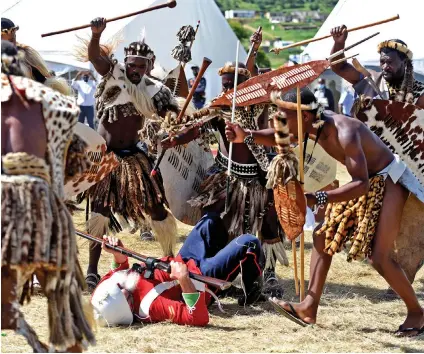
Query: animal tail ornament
<point x="34" y="60"/>
<point x="285" y="165"/>
<point x="80" y="51"/>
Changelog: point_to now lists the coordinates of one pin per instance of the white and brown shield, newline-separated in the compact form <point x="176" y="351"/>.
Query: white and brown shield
<point x="401" y="127"/>
<point x="102" y="163"/>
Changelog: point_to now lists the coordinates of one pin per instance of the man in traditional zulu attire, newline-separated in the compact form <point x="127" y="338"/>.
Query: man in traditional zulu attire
<point x="124" y="98"/>
<point x="33" y="65"/>
<point x="366" y="212"/>
<point x="124" y="294"/>
<point x="37" y="232"/>
<point x="250" y="207"/>
<point x="396" y="80"/>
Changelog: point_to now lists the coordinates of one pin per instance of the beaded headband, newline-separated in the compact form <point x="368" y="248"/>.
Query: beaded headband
<point x="396" y="46"/>
<point x="229" y="68"/>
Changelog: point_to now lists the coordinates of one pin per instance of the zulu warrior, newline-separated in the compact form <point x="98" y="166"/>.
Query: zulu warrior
<point x="250" y="207"/>
<point x="37" y="232"/>
<point x="396" y="81"/>
<point x="124" y="98"/>
<point x="364" y="215"/>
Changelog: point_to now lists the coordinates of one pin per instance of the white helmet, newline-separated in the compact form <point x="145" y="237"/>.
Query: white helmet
<point x="110" y="304"/>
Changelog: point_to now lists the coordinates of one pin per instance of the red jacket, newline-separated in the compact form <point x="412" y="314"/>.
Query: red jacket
<point x="169" y="305"/>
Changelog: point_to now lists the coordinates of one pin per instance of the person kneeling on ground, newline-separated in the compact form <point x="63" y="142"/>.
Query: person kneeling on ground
<point x="124" y="293"/>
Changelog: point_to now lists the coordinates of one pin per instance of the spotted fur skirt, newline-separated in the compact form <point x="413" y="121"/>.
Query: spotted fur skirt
<point x="129" y="191"/>
<point x="248" y="200"/>
<point x="38" y="236"/>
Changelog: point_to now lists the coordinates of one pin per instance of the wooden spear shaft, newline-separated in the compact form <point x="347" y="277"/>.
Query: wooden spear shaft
<point x="301" y="180"/>
<point x="297" y="44"/>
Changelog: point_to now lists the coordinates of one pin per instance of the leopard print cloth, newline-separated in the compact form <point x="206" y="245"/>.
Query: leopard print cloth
<point x="246" y="118"/>
<point x="60" y="114"/>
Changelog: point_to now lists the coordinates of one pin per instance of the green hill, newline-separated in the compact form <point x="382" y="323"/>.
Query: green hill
<point x="244" y="27"/>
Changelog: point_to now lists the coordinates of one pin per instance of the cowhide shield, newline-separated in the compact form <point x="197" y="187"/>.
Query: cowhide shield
<point x="258" y="89"/>
<point x="177" y="82"/>
<point x="183" y="169"/>
<point x="102" y="163"/>
<point x="319" y="169"/>
<point x="409" y="244"/>
<point x="400" y="126"/>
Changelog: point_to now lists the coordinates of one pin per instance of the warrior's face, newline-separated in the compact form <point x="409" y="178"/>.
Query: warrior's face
<point x="291" y="116"/>
<point x="136" y="68"/>
<point x="392" y="66"/>
<point x="228" y="81"/>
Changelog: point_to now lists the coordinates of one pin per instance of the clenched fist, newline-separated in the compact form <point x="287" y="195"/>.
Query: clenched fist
<point x="98" y="25"/>
<point x="339" y="34"/>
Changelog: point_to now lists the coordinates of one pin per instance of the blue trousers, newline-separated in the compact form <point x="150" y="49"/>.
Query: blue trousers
<point x="87" y="112"/>
<point x="207" y="246"/>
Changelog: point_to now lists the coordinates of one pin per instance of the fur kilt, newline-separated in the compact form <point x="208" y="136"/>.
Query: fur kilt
<point x="249" y="200"/>
<point x="129" y="190"/>
<point x="38" y="236"/>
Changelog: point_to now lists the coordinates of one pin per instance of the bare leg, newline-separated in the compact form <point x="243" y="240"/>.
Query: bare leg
<point x="320" y="264"/>
<point x="95" y="248"/>
<point x="388" y="228"/>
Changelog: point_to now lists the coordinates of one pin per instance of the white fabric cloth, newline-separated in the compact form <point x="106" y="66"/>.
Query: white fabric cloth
<point x="86" y="91"/>
<point x="400" y="173"/>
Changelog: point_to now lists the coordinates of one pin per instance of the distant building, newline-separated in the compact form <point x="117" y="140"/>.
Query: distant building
<point x="239" y="14"/>
<point x="302" y="16"/>
<point x="277" y="17"/>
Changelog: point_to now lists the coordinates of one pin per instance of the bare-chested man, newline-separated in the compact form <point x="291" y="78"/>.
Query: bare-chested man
<point x="396" y="80"/>
<point x="37" y="232"/>
<point x="124" y="98"/>
<point x="371" y="165"/>
<point x="251" y="207"/>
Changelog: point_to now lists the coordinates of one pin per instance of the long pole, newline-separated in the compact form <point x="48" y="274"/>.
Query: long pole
<point x="301" y="180"/>
<point x="170" y="4"/>
<point x="297" y="44"/>
<point x="166" y="267"/>
<point x="233" y="112"/>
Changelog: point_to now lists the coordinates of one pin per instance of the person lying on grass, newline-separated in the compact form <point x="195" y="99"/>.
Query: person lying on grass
<point x="124" y="294"/>
<point x="367" y="210"/>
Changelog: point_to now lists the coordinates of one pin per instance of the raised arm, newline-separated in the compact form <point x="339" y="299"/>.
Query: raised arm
<point x="256" y="40"/>
<point x="100" y="63"/>
<point x="343" y="69"/>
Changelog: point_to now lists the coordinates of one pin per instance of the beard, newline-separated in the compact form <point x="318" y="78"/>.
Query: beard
<point x="140" y="97"/>
<point x="127" y="279"/>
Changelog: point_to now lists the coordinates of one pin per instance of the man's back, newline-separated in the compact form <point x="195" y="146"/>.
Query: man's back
<point x="341" y="131"/>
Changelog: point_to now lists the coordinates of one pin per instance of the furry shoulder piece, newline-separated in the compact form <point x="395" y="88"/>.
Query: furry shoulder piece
<point x="60" y="115"/>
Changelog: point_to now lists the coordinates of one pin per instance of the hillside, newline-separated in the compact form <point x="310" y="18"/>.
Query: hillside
<point x="288" y="21"/>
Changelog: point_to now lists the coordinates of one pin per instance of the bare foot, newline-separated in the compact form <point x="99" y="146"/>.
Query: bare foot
<point x="413" y="320"/>
<point x="305" y="312"/>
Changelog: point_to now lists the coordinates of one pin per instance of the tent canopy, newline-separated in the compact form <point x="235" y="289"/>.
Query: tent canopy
<point x="215" y="38"/>
<point x="353" y="13"/>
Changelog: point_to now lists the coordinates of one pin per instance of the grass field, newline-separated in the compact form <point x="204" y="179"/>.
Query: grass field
<point x="355" y="316"/>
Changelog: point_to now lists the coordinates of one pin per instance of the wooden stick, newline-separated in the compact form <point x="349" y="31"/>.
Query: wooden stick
<point x="342" y="51"/>
<point x="343" y="59"/>
<point x="171" y="4"/>
<point x="296" y="278"/>
<point x="278" y="50"/>
<point x="233" y="112"/>
<point x="301" y="180"/>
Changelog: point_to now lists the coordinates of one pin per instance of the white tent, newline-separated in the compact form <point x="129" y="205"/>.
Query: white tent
<point x="215" y="38"/>
<point x="353" y="13"/>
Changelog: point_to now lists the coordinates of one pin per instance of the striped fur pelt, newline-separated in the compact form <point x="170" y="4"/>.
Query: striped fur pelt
<point x="38" y="236"/>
